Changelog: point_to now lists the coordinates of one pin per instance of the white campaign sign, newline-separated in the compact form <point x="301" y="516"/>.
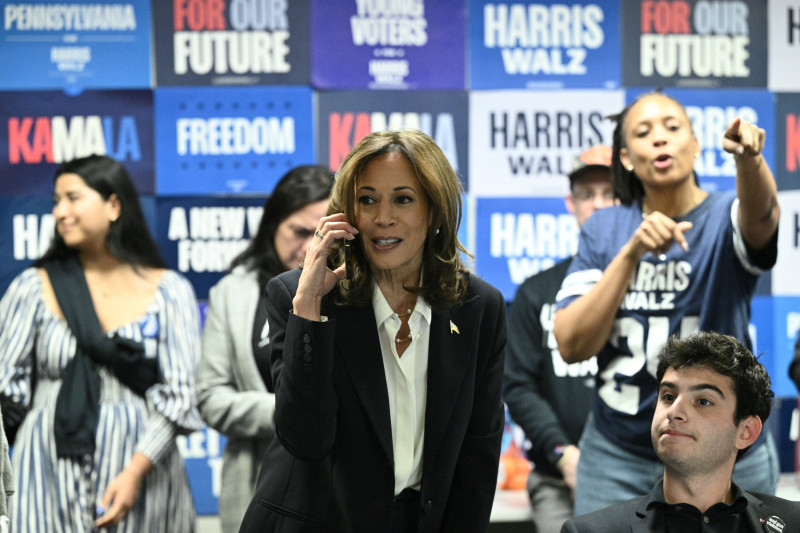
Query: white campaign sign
<point x="785" y="281"/>
<point x="523" y="143"/>
<point x="784" y="45"/>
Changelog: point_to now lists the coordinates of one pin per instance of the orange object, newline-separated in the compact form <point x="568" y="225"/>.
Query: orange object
<point x="514" y="469"/>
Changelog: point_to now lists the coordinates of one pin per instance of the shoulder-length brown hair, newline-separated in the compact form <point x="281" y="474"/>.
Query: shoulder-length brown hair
<point x="443" y="281"/>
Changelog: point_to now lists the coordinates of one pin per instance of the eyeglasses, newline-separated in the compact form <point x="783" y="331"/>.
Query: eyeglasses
<point x="301" y="234"/>
<point x="585" y="195"/>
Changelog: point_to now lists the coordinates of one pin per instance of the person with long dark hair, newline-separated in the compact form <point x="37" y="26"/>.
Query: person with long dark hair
<point x="234" y="387"/>
<point x="387" y="359"/>
<point x="112" y="338"/>
<point x="672" y="259"/>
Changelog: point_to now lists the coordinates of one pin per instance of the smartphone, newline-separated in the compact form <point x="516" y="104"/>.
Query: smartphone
<point x="348" y="259"/>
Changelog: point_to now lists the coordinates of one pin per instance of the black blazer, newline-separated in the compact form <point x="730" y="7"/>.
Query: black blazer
<point x="330" y="469"/>
<point x="632" y="516"/>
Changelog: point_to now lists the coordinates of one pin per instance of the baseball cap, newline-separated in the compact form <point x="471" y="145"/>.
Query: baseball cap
<point x="596" y="157"/>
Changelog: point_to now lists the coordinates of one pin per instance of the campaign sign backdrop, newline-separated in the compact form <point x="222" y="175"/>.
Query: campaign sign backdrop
<point x="784" y="45"/>
<point x="785" y="278"/>
<point x="202" y="454"/>
<point x="787" y="140"/>
<point x="694" y="43"/>
<point x="544" y="45"/>
<point x="75" y="44"/>
<point x="231" y="42"/>
<point x="346" y="117"/>
<point x="230" y="139"/>
<point x="414" y="44"/>
<point x="786" y="327"/>
<point x="710" y="115"/>
<point x="199" y="236"/>
<point x="516" y="238"/>
<point x="28" y="226"/>
<point x="525" y="142"/>
<point x="39" y="130"/>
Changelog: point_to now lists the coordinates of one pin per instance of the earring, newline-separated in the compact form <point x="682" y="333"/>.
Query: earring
<point x="697" y="155"/>
<point x="629" y="168"/>
<point x="437" y="231"/>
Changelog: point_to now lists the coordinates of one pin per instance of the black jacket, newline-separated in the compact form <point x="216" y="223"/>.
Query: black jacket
<point x="640" y="515"/>
<point x="331" y="469"/>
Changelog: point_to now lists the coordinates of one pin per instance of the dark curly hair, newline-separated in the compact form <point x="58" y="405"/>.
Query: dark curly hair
<point x="726" y="356"/>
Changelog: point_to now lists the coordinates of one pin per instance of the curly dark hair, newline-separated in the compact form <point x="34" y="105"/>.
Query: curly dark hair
<point x="726" y="356"/>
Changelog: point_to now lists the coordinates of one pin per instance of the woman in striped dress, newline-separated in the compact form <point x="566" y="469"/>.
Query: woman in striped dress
<point x="127" y="475"/>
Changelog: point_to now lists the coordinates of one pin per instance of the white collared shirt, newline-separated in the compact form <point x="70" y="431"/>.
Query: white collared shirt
<point x="407" y="383"/>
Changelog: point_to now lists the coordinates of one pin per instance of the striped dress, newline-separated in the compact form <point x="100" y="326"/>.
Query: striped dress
<point x="61" y="495"/>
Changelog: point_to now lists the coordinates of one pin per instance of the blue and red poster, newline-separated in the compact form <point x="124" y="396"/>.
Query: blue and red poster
<point x="39" y="130"/>
<point x="544" y="45"/>
<point x="414" y="44"/>
<point x="347" y="117"/>
<point x="231" y="139"/>
<point x="787" y="140"/>
<point x="231" y="42"/>
<point x="73" y="45"/>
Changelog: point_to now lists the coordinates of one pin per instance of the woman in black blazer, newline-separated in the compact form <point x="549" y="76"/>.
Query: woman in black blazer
<point x="388" y="408"/>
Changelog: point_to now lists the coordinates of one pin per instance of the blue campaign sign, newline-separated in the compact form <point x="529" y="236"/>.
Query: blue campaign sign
<point x="73" y="44"/>
<point x="786" y="324"/>
<point x="388" y="45"/>
<point x="199" y="236"/>
<point x="202" y="454"/>
<point x="39" y="130"/>
<point x="516" y="238"/>
<point x="230" y="139"/>
<point x="28" y="226"/>
<point x="710" y="116"/>
<point x="544" y="45"/>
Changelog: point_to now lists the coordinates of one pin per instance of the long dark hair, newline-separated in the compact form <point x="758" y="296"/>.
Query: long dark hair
<point x="301" y="186"/>
<point x="128" y="238"/>
<point x="627" y="186"/>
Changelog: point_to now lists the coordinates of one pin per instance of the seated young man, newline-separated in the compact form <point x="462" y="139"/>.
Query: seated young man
<point x="713" y="399"/>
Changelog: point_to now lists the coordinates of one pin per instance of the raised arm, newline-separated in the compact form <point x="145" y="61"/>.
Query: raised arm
<point x="759" y="212"/>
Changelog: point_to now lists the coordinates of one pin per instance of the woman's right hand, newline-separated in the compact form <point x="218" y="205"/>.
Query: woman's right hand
<point x="317" y="279"/>
<point x="656" y="234"/>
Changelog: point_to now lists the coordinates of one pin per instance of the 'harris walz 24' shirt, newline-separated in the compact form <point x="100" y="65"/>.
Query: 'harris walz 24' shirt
<point x="708" y="288"/>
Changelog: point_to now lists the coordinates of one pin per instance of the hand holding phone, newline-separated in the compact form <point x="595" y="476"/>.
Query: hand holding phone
<point x="348" y="259"/>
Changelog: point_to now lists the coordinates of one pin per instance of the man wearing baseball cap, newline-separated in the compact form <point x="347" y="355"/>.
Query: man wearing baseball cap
<point x="547" y="398"/>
